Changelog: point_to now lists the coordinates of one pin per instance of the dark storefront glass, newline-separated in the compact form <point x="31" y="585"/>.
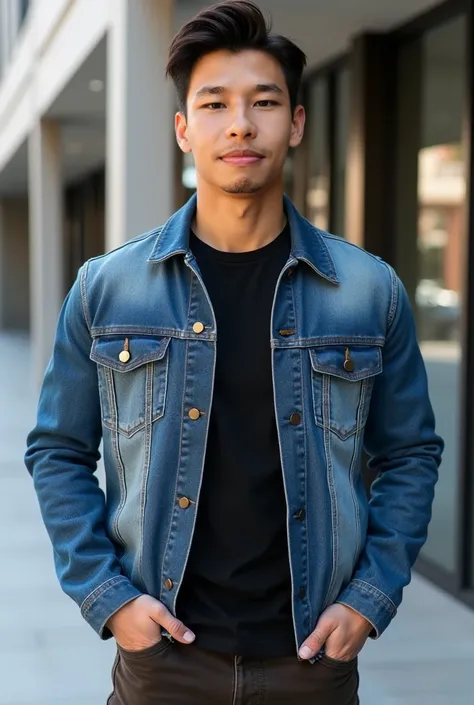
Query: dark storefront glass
<point x="431" y="238"/>
<point x="317" y="192"/>
<point x="338" y="225"/>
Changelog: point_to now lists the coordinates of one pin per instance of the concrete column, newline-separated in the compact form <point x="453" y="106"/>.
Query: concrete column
<point x="14" y="19"/>
<point x="46" y="239"/>
<point x="140" y="109"/>
<point x="5" y="33"/>
<point x="14" y="265"/>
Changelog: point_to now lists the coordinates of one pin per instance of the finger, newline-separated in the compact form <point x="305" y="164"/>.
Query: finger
<point x="172" y="625"/>
<point x="316" y="640"/>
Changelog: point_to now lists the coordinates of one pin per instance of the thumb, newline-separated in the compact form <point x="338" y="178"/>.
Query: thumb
<point x="162" y="616"/>
<point x="316" y="640"/>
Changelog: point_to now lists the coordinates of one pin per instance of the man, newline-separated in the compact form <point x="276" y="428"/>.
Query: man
<point x="236" y="362"/>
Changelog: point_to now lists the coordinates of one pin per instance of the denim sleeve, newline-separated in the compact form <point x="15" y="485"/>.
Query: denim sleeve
<point x="405" y="451"/>
<point x="62" y="454"/>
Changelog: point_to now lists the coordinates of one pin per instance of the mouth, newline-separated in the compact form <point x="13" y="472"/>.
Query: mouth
<point x="242" y="157"/>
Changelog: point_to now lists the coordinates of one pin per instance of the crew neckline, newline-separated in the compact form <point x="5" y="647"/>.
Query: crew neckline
<point x="202" y="250"/>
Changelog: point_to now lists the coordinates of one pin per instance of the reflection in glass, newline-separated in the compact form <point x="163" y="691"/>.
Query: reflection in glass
<point x="430" y="243"/>
<point x="441" y="195"/>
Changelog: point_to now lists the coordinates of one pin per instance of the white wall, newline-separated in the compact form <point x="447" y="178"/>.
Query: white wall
<point x="56" y="38"/>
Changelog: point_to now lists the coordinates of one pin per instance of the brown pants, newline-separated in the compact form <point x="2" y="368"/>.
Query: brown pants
<point x="175" y="674"/>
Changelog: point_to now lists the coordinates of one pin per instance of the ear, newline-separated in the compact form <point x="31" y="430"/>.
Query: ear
<point x="297" y="126"/>
<point x="181" y="130"/>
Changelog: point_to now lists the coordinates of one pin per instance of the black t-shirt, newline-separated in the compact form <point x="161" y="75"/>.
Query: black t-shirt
<point x="236" y="593"/>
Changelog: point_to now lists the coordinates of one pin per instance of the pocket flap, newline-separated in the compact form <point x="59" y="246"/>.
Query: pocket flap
<point x="106" y="351"/>
<point x="329" y="360"/>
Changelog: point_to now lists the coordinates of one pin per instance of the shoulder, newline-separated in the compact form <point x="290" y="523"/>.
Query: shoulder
<point x="137" y="250"/>
<point x="352" y="261"/>
<point x="365" y="275"/>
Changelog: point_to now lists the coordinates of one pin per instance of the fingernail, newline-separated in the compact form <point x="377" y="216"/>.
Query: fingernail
<point x="305" y="652"/>
<point x="189" y="637"/>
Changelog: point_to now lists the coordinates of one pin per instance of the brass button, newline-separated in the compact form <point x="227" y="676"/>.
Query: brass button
<point x="295" y="419"/>
<point x="124" y="356"/>
<point x="184" y="502"/>
<point x="194" y="414"/>
<point x="168" y="584"/>
<point x="198" y="327"/>
<point x="348" y="362"/>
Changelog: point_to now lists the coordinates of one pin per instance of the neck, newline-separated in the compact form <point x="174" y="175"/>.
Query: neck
<point x="239" y="223"/>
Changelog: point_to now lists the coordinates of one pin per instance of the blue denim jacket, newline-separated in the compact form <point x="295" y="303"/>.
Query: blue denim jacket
<point x="131" y="367"/>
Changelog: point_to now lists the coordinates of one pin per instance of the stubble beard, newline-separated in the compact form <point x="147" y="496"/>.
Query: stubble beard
<point x="243" y="185"/>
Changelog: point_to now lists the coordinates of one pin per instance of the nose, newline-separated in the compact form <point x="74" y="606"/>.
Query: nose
<point x="241" y="127"/>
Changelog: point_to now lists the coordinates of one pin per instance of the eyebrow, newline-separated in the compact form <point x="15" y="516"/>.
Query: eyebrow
<point x="258" y="88"/>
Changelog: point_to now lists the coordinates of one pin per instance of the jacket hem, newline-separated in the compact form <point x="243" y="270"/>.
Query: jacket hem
<point x="105" y="601"/>
<point x="371" y="603"/>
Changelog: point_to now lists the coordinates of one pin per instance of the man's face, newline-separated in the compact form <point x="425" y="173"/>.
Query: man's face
<point x="239" y="124"/>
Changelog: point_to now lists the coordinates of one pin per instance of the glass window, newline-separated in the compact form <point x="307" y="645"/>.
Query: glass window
<point x="317" y="192"/>
<point x="430" y="242"/>
<point x="338" y="226"/>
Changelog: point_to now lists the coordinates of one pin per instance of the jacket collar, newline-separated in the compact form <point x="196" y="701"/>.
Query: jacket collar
<point x="307" y="242"/>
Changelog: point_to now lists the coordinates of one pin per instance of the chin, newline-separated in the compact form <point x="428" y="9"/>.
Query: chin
<point x="242" y="186"/>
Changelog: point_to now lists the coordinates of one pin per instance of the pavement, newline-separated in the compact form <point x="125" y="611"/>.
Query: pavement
<point x="50" y="656"/>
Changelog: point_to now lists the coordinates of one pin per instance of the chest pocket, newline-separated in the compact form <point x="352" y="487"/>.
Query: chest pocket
<point x="133" y="390"/>
<point x="342" y="383"/>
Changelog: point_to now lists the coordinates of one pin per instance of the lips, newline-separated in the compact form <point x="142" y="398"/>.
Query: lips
<point x="242" y="157"/>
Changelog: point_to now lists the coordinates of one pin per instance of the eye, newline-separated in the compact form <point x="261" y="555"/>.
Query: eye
<point x="266" y="103"/>
<point x="214" y="106"/>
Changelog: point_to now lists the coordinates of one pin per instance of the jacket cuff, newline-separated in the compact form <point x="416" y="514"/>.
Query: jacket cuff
<point x="369" y="602"/>
<point x="105" y="600"/>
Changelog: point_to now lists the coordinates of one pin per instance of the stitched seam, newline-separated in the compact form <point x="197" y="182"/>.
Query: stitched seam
<point x="136" y="363"/>
<point x="346" y="243"/>
<point x="85" y="307"/>
<point x="332" y="493"/>
<point x="166" y="551"/>
<point x="117" y="456"/>
<point x="328" y="341"/>
<point x="372" y="590"/>
<point x="150" y="370"/>
<point x="305" y="482"/>
<point x="151" y="233"/>
<point x="355" y="455"/>
<point x="394" y="299"/>
<point x="99" y="332"/>
<point x="97" y="592"/>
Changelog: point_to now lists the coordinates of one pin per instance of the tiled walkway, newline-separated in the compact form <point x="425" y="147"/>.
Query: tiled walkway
<point x="49" y="656"/>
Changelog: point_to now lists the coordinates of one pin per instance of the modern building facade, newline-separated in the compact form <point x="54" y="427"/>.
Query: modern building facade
<point x="88" y="160"/>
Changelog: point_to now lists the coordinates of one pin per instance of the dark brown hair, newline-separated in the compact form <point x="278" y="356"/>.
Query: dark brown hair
<point x="234" y="25"/>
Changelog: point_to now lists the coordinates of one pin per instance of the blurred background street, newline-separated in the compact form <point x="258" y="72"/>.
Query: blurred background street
<point x="88" y="160"/>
